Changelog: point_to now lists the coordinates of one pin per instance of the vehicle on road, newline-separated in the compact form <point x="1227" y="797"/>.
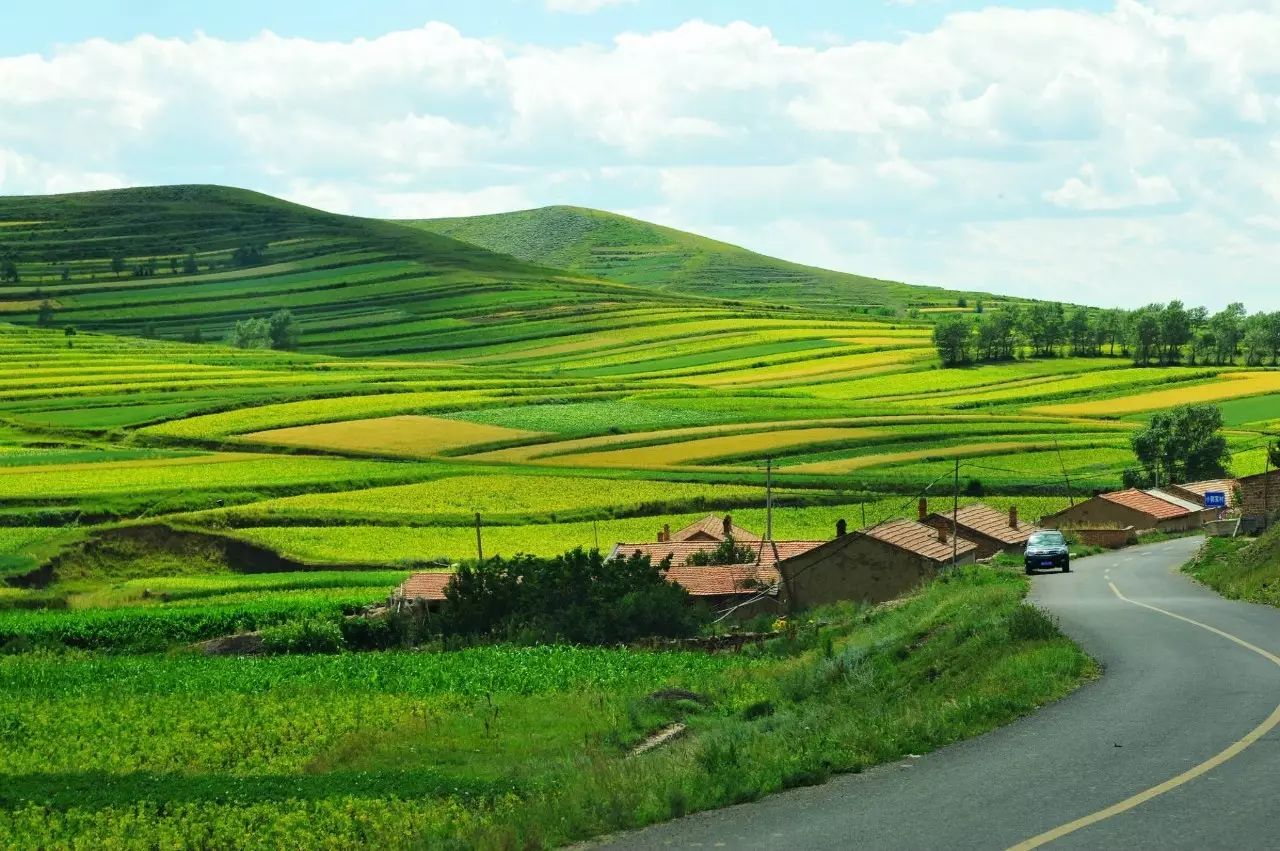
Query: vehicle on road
<point x="1047" y="550"/>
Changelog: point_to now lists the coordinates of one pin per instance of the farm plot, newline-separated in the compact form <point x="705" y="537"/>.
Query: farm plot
<point x="691" y="452"/>
<point x="409" y="436"/>
<point x="1231" y="385"/>
<point x="309" y="411"/>
<point x="814" y="370"/>
<point x="186" y="474"/>
<point x="457" y="498"/>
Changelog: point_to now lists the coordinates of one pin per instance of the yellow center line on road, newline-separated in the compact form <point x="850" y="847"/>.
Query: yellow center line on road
<point x="1234" y="750"/>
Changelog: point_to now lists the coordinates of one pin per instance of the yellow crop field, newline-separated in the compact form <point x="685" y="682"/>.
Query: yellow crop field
<point x="411" y="436"/>
<point x="1232" y="385"/>
<point x="692" y="451"/>
<point x="578" y="446"/>
<point x="862" y="462"/>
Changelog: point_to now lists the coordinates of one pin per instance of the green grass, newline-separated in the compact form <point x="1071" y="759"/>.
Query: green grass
<point x="498" y="747"/>
<point x="606" y="245"/>
<point x="1240" y="568"/>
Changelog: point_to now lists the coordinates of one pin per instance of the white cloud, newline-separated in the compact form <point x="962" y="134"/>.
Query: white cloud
<point x="1087" y="191"/>
<point x="1147" y="129"/>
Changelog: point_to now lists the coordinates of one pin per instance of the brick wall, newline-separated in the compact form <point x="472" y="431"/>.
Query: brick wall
<point x="1259" y="499"/>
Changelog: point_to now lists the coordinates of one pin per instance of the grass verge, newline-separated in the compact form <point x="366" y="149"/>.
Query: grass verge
<point x="1240" y="568"/>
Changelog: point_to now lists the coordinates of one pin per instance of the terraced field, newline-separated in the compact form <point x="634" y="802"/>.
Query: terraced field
<point x="160" y="486"/>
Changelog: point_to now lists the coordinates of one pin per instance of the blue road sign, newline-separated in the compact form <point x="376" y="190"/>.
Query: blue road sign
<point x="1215" y="499"/>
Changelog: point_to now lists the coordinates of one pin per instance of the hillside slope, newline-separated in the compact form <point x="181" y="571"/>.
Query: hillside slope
<point x="189" y="261"/>
<point x="607" y="245"/>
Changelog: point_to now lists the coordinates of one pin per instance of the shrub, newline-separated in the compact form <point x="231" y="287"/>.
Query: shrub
<point x="577" y="597"/>
<point x="314" y="635"/>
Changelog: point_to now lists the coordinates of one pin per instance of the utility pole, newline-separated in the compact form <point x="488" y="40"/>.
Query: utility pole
<point x="768" y="498"/>
<point x="595" y="527"/>
<point x="1070" y="498"/>
<point x="479" y="542"/>
<point x="864" y="514"/>
<point x="955" y="512"/>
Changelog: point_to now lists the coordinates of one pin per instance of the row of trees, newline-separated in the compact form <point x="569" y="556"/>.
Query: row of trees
<point x="1163" y="334"/>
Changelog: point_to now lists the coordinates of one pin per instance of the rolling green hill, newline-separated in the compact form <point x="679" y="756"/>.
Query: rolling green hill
<point x="607" y="245"/>
<point x="183" y="261"/>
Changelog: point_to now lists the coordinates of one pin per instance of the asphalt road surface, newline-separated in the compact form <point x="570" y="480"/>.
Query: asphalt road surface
<point x="1174" y="747"/>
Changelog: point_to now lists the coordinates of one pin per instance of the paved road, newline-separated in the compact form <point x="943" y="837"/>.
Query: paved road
<point x="1174" y="695"/>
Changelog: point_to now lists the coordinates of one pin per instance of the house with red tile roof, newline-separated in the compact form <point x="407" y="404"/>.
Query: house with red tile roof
<point x="871" y="565"/>
<point x="994" y="531"/>
<point x="1143" y="510"/>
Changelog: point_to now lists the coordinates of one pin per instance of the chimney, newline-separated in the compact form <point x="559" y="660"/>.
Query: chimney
<point x="942" y="534"/>
<point x="666" y="531"/>
<point x="661" y="539"/>
<point x="842" y="528"/>
<point x="924" y="508"/>
<point x="1013" y="517"/>
<point x="728" y="526"/>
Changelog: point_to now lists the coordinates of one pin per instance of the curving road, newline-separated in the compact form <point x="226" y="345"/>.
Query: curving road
<point x="1175" y="746"/>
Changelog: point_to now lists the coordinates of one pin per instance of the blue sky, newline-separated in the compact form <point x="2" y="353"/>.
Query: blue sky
<point x="1115" y="152"/>
<point x="43" y="26"/>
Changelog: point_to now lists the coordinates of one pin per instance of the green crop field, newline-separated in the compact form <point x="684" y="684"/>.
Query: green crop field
<point x="575" y="379"/>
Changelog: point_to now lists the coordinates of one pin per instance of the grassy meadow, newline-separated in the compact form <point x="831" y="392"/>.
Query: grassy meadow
<point x="577" y="379"/>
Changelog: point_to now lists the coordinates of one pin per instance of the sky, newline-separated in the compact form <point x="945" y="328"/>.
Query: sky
<point x="1115" y="152"/>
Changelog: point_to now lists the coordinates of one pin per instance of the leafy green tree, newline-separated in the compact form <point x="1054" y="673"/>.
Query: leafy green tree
<point x="283" y="330"/>
<point x="189" y="264"/>
<point x="117" y="263"/>
<point x="953" y="338"/>
<point x="9" y="265"/>
<point x="1256" y="341"/>
<point x="70" y="333"/>
<point x="1080" y="333"/>
<point x="1228" y="327"/>
<point x="1184" y="444"/>
<point x="249" y="255"/>
<point x="728" y="552"/>
<point x="1146" y="335"/>
<point x="252" y="333"/>
<point x="44" y="314"/>
<point x="1175" y="332"/>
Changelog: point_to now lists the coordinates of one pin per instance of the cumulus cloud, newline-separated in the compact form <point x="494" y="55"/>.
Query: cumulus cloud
<point x="987" y="152"/>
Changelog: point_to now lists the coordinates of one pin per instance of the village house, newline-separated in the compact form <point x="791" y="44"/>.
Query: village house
<point x="1259" y="501"/>
<point x="1195" y="491"/>
<point x="751" y="586"/>
<point x="1143" y="510"/>
<point x="870" y="566"/>
<point x="992" y="530"/>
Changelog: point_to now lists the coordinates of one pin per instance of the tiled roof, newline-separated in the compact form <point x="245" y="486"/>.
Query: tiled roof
<point x="713" y="527"/>
<point x="919" y="539"/>
<point x="768" y="553"/>
<point x="990" y="522"/>
<point x="426" y="586"/>
<point x="1147" y="503"/>
<point x="1227" y="486"/>
<point x="1180" y="501"/>
<point x="716" y="581"/>
<point x="722" y="581"/>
